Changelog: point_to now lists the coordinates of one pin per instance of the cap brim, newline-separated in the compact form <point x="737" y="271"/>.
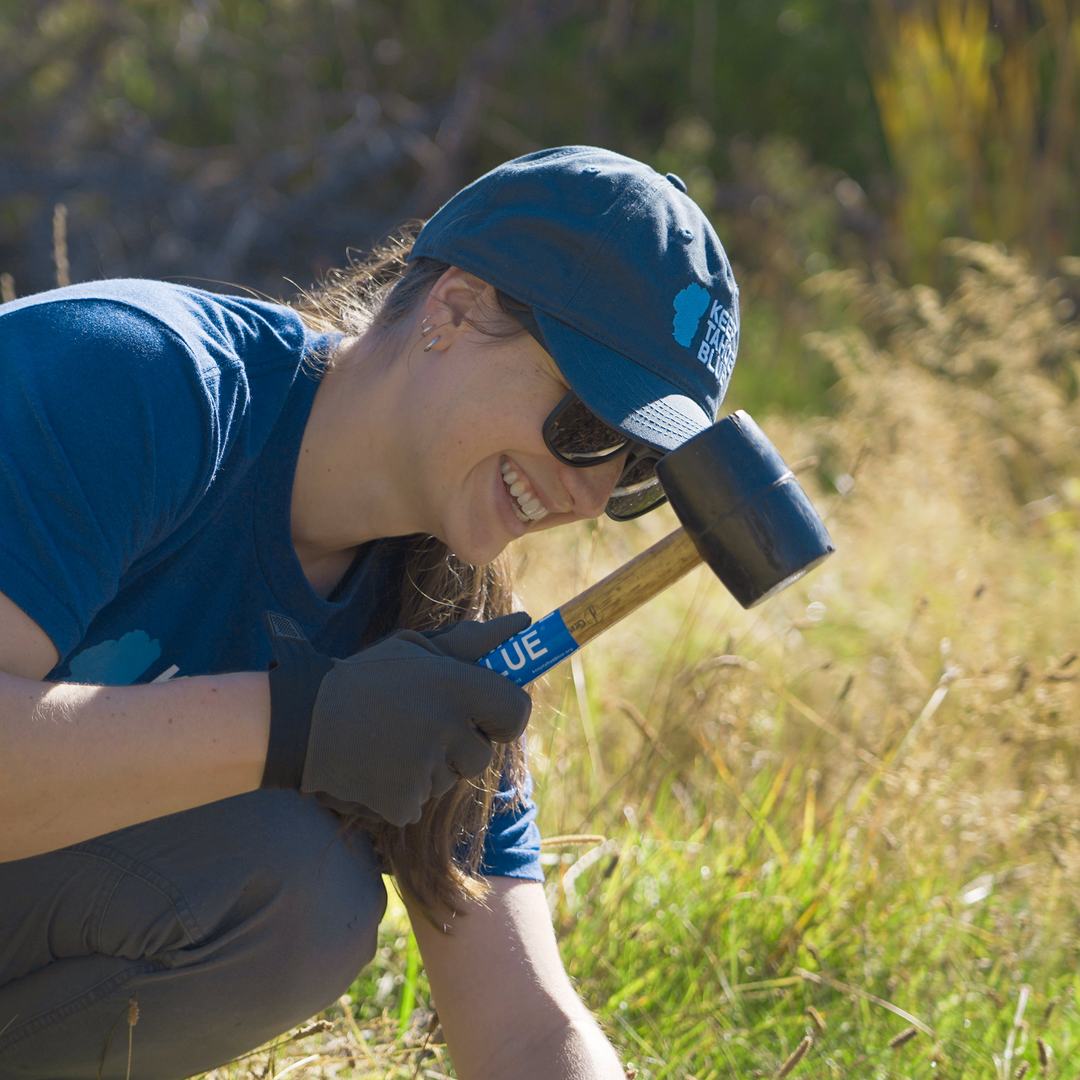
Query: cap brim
<point x="622" y="393"/>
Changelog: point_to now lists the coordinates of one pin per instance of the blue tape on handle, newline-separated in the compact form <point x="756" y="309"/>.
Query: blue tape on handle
<point x="526" y="656"/>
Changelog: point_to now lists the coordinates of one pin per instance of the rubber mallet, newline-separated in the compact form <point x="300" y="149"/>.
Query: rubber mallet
<point x="742" y="512"/>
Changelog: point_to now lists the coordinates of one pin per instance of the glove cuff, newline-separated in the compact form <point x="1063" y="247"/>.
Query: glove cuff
<point x="296" y="673"/>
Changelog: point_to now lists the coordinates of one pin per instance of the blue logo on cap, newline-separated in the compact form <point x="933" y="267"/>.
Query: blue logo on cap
<point x="690" y="305"/>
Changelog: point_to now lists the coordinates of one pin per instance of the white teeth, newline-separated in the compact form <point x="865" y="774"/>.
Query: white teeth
<point x="526" y="505"/>
<point x="529" y="515"/>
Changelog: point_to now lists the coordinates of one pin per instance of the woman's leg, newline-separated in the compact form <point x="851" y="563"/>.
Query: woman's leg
<point x="227" y="924"/>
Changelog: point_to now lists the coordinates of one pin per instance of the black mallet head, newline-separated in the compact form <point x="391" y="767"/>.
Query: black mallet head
<point x="744" y="510"/>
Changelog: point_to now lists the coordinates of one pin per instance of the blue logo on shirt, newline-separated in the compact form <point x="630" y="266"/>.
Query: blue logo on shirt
<point x="115" y="663"/>
<point x="690" y="305"/>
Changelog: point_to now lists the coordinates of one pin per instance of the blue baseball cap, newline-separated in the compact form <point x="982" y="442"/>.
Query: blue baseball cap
<point x="627" y="281"/>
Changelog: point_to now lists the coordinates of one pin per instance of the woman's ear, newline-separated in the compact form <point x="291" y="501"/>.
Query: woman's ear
<point x="455" y="299"/>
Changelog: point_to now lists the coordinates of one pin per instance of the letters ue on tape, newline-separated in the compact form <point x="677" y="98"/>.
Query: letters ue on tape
<point x="526" y="656"/>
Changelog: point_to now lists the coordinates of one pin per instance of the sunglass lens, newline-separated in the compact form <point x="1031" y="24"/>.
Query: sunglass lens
<point x="580" y="437"/>
<point x="637" y="492"/>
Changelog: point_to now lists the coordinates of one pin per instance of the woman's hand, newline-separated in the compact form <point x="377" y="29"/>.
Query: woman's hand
<point x="395" y="724"/>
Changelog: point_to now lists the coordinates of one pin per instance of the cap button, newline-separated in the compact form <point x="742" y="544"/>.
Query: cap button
<point x="677" y="181"/>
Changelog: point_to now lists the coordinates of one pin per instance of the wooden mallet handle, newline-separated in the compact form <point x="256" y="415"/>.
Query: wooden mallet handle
<point x="527" y="655"/>
<point x="626" y="589"/>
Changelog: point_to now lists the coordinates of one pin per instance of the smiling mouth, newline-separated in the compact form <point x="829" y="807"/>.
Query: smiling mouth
<point x="523" y="499"/>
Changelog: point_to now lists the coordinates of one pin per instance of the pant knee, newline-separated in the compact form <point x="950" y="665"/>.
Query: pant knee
<point x="302" y="909"/>
<point x="278" y="913"/>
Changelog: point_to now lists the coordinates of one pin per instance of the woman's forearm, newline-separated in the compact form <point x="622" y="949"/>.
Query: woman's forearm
<point x="578" y="1051"/>
<point x="78" y="761"/>
<point x="534" y="1048"/>
<point x="503" y="996"/>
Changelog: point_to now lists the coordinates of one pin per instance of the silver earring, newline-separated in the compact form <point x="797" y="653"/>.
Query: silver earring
<point x="428" y="346"/>
<point x="427" y="330"/>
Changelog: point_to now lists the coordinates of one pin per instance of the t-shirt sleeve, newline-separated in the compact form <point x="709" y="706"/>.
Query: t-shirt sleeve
<point x="512" y="844"/>
<point x="108" y="438"/>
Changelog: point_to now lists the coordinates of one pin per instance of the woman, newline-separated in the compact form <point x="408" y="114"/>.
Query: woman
<point x="199" y="486"/>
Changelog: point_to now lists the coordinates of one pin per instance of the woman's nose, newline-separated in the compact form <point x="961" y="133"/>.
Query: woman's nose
<point x="589" y="489"/>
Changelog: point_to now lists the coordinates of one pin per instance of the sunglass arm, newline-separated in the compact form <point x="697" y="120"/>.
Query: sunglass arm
<point x="526" y="656"/>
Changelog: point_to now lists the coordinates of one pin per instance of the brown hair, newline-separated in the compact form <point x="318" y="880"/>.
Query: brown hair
<point x="438" y="859"/>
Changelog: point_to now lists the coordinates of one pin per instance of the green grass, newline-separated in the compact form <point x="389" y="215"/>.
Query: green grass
<point x="701" y="955"/>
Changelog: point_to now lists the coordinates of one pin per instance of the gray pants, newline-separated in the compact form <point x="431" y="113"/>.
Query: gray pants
<point x="228" y="924"/>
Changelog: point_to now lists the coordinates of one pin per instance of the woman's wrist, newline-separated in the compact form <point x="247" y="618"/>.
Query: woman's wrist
<point x="233" y="712"/>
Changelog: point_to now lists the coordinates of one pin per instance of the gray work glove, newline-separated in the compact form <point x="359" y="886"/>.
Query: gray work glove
<point x="395" y="724"/>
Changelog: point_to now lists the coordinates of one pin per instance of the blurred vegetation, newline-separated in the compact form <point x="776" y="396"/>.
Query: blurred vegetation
<point x="978" y="102"/>
<point x="246" y="141"/>
<point x="253" y="143"/>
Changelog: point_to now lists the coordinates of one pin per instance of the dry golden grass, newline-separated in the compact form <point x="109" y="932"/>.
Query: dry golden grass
<point x="853" y="814"/>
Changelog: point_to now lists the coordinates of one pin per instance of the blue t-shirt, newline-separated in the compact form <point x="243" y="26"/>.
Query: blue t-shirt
<point x="149" y="434"/>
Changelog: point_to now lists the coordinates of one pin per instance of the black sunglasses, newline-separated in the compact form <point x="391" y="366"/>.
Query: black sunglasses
<point x="578" y="437"/>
